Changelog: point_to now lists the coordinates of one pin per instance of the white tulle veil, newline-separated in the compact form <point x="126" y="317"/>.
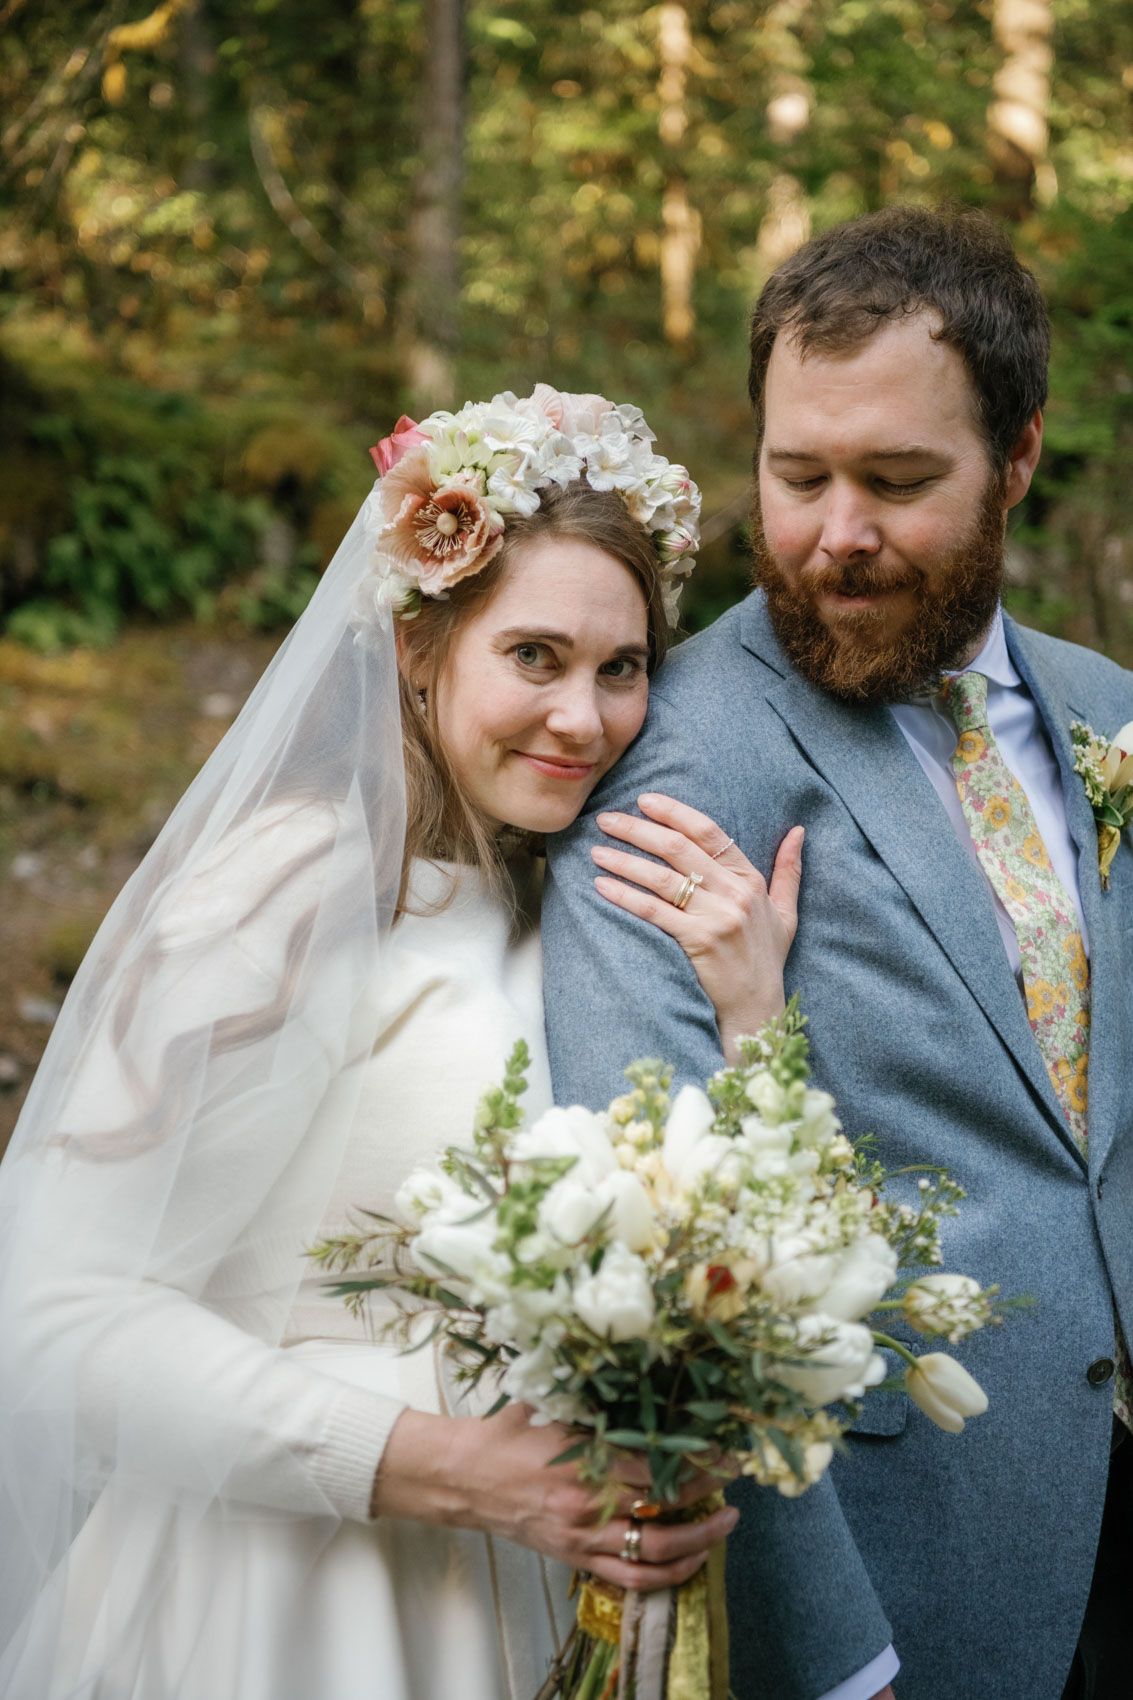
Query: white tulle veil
<point x="159" y="1169"/>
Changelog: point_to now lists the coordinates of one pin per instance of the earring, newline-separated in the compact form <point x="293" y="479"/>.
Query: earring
<point x="422" y="702"/>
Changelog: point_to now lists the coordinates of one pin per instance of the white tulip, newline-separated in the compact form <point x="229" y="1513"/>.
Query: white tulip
<point x="862" y="1276"/>
<point x="631" y="1218"/>
<point x="427" y="1192"/>
<point x="798" y="1281"/>
<point x="464" y="1249"/>
<point x="945" y="1391"/>
<point x="840" y="1360"/>
<point x="573" y="1132"/>
<point x="689" y="1120"/>
<point x="717" y="1157"/>
<point x="570" y="1211"/>
<point x="1118" y="765"/>
<point x="617" y="1301"/>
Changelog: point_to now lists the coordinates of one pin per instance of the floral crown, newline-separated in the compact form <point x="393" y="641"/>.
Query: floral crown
<point x="449" y="484"/>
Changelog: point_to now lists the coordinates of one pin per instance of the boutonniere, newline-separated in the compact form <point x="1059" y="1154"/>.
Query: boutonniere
<point x="1107" y="773"/>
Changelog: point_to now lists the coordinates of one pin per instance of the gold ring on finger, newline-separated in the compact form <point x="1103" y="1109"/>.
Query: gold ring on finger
<point x="688" y="886"/>
<point x="631" y="1545"/>
<point x="716" y="854"/>
<point x="644" y="1510"/>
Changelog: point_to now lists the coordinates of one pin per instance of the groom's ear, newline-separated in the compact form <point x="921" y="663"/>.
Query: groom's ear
<point x="1023" y="459"/>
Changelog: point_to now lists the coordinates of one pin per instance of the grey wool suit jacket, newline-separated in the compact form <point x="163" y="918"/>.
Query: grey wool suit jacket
<point x="973" y="1553"/>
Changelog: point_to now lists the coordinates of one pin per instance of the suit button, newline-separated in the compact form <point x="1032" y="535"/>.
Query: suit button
<point x="1099" y="1372"/>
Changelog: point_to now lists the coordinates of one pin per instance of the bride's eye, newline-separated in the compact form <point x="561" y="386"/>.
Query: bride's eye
<point x="533" y="655"/>
<point x="622" y="667"/>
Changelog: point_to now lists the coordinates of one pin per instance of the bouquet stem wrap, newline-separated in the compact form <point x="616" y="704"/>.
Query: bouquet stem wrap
<point x="671" y="1644"/>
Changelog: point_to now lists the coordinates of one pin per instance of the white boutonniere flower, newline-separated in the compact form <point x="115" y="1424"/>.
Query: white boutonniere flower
<point x="1107" y="773"/>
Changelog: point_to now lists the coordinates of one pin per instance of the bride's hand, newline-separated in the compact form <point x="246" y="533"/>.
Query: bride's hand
<point x="495" y="1474"/>
<point x="735" y="928"/>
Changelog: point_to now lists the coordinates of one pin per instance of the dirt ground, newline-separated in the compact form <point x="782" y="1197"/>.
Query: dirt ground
<point x="95" y="748"/>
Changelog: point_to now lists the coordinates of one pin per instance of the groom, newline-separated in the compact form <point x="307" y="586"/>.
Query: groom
<point x="950" y="899"/>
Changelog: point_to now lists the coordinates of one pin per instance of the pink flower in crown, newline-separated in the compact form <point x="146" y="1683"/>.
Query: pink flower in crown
<point x="435" y="535"/>
<point x="405" y="435"/>
<point x="576" y="415"/>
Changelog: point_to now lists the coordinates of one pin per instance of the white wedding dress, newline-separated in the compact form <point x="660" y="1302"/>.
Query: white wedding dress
<point x="286" y="1589"/>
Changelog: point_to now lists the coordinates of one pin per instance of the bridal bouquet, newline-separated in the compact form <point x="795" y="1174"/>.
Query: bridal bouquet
<point x="682" y="1279"/>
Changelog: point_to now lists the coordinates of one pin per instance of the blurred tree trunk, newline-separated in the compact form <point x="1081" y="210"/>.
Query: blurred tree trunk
<point x="198" y="62"/>
<point x="785" y="225"/>
<point x="430" y="299"/>
<point x="680" y="221"/>
<point x="1017" y="120"/>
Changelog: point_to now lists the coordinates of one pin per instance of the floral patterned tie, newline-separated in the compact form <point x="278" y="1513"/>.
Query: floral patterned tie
<point x="1056" y="974"/>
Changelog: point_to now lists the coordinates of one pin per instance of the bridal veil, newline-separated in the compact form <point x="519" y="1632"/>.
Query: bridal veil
<point x="159" y="1192"/>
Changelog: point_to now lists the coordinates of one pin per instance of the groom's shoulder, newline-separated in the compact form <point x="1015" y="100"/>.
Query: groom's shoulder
<point x="712" y="660"/>
<point x="1085" y="677"/>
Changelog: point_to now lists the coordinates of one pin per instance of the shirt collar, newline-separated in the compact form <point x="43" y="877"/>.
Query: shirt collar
<point x="993" y="660"/>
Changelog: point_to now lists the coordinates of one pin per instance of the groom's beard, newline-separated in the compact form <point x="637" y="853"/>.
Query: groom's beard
<point x="858" y="660"/>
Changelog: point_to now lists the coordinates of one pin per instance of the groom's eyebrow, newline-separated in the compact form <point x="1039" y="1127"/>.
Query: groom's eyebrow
<point x="907" y="451"/>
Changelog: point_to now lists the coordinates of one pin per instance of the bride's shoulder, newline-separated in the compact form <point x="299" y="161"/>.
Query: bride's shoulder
<point x="272" y="863"/>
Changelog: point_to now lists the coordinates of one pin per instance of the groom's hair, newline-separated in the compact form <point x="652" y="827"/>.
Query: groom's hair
<point x="839" y="288"/>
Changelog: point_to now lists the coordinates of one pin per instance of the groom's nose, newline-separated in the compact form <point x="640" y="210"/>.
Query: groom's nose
<point x="849" y="524"/>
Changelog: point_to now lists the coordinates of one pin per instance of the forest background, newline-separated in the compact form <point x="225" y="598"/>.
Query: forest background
<point x="239" y="237"/>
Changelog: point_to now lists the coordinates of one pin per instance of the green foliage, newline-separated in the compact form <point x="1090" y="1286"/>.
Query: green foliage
<point x="232" y="233"/>
<point x="143" y="537"/>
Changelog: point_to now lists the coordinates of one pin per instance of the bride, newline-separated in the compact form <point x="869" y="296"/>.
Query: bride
<point x="216" y="1481"/>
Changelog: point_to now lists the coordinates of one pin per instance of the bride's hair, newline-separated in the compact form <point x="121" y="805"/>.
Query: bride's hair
<point x="441" y="820"/>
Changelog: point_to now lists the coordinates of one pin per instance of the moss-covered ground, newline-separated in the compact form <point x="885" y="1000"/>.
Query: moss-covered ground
<point x="95" y="748"/>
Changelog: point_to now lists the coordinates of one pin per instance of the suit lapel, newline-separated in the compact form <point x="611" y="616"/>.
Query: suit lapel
<point x="864" y="757"/>
<point x="1102" y="910"/>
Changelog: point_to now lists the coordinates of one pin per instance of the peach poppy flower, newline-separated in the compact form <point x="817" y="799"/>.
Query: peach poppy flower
<point x="437" y="536"/>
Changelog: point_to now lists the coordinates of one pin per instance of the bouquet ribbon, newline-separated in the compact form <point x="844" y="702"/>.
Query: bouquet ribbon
<point x="671" y="1644"/>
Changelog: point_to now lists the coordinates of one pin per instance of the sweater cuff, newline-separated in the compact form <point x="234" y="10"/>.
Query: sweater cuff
<point x="355" y="1436"/>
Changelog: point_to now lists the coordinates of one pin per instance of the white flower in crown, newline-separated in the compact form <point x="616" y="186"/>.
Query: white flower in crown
<point x="450" y="483"/>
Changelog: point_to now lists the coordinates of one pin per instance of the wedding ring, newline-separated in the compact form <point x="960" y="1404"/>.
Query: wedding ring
<point x="631" y="1546"/>
<point x="717" y="853"/>
<point x="689" y="885"/>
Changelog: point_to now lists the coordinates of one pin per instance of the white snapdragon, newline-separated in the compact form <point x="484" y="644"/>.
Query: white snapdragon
<point x="818" y="1124"/>
<point x="617" y="1300"/>
<point x="768" y="1098"/>
<point x="769" y="1146"/>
